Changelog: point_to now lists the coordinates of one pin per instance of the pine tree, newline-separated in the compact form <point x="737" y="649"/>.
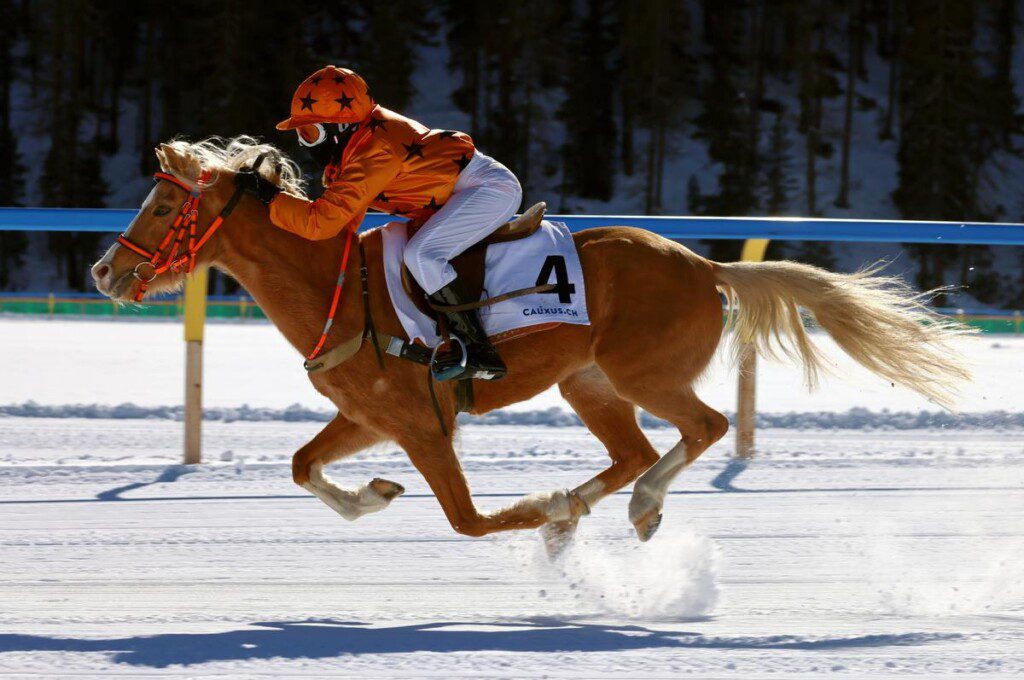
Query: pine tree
<point x="72" y="173"/>
<point x="727" y="111"/>
<point x="12" y="171"/>
<point x="946" y="126"/>
<point x="466" y="20"/>
<point x="657" y="77"/>
<point x="816" y="83"/>
<point x="694" y="198"/>
<point x="385" y="49"/>
<point x="780" y="187"/>
<point x="511" y="58"/>
<point x="727" y="120"/>
<point x="1005" y="101"/>
<point x="588" y="109"/>
<point x="853" y="60"/>
<point x="779" y="182"/>
<point x="892" y="28"/>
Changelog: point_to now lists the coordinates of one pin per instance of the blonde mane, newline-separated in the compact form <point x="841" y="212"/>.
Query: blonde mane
<point x="186" y="160"/>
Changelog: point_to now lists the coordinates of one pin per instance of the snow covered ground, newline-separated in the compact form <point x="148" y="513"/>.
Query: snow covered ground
<point x="863" y="553"/>
<point x="107" y="362"/>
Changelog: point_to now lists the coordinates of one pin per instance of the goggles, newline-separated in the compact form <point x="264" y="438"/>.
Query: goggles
<point x="312" y="135"/>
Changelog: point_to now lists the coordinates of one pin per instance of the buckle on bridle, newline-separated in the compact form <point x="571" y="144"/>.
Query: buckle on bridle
<point x="135" y="272"/>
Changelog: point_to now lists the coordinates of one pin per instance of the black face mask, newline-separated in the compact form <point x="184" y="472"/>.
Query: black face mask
<point x="329" y="149"/>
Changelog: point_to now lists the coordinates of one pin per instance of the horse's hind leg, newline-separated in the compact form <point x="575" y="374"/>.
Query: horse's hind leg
<point x="612" y="420"/>
<point x="699" y="425"/>
<point x="339" y="439"/>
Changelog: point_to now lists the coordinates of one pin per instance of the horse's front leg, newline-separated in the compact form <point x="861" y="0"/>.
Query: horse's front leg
<point x="436" y="460"/>
<point x="339" y="439"/>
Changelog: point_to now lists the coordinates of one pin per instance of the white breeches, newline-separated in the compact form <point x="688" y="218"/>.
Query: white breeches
<point x="486" y="195"/>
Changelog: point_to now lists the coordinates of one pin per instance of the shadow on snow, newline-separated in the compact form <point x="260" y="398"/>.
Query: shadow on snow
<point x="324" y="639"/>
<point x="171" y="474"/>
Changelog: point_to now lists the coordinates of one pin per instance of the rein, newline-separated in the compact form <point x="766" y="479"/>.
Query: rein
<point x="172" y="254"/>
<point x="383" y="343"/>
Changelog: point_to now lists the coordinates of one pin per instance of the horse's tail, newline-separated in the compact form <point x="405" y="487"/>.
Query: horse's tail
<point x="878" y="320"/>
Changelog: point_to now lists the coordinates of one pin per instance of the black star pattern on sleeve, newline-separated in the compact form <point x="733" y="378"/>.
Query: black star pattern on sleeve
<point x="377" y="123"/>
<point x="339" y="78"/>
<point x="308" y="101"/>
<point x="448" y="133"/>
<point x="433" y="205"/>
<point x="413" y="149"/>
<point x="344" y="102"/>
<point x="461" y="162"/>
<point x="381" y="198"/>
<point x="315" y="80"/>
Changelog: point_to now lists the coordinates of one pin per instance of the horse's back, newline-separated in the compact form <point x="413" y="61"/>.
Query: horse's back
<point x="638" y="275"/>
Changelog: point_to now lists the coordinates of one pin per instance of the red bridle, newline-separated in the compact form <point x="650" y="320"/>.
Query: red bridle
<point x="170" y="255"/>
<point x="166" y="257"/>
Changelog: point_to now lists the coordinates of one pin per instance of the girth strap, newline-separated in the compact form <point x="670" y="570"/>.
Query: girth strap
<point x="383" y="343"/>
<point x="487" y="302"/>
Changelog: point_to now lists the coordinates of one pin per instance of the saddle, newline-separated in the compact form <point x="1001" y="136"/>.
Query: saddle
<point x="470" y="264"/>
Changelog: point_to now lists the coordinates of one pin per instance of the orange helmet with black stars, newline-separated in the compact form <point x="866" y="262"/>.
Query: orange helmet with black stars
<point x="331" y="95"/>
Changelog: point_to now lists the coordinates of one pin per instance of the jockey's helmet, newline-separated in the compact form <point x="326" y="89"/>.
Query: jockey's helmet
<point x="331" y="95"/>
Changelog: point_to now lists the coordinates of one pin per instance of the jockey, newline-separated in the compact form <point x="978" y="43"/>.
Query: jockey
<point x="375" y="158"/>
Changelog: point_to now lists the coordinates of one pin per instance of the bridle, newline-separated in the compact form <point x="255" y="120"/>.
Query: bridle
<point x="172" y="254"/>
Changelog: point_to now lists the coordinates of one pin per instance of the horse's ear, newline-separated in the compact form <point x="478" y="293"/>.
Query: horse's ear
<point x="172" y="160"/>
<point x="161" y="156"/>
<point x="178" y="161"/>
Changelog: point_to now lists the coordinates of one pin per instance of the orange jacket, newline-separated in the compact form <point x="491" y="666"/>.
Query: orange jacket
<point x="392" y="164"/>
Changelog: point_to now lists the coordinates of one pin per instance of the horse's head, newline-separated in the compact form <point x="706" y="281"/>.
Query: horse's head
<point x="173" y="231"/>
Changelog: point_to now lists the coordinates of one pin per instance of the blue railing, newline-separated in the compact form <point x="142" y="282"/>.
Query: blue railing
<point x="775" y="228"/>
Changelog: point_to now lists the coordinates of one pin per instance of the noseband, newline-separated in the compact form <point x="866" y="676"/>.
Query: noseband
<point x="172" y="254"/>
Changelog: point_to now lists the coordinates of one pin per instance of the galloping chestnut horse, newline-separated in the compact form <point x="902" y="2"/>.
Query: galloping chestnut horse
<point x="656" y="319"/>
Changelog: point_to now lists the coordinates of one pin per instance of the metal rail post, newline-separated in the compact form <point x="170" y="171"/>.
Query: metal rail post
<point x="746" y="391"/>
<point x="195" y="317"/>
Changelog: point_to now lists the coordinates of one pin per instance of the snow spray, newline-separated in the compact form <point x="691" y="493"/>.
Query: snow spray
<point x="671" y="577"/>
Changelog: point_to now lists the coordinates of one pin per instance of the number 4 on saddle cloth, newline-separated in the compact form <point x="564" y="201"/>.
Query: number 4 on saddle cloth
<point x="501" y="264"/>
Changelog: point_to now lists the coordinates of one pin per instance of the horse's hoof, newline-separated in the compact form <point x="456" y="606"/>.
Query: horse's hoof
<point x="557" y="537"/>
<point x="577" y="506"/>
<point x="388" y="490"/>
<point x="644" y="513"/>
<point x="647" y="524"/>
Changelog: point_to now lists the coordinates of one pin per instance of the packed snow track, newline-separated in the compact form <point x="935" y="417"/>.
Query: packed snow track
<point x="867" y="553"/>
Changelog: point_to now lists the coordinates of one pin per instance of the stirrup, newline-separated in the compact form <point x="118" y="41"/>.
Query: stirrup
<point x="454" y="371"/>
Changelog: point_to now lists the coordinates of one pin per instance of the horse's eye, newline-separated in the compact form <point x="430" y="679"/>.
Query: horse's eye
<point x="161" y="210"/>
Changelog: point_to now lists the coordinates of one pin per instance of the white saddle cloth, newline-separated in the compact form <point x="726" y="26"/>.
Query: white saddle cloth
<point x="509" y="266"/>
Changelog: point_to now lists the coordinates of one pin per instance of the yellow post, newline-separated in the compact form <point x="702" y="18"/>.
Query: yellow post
<point x="746" y="401"/>
<point x="195" y="317"/>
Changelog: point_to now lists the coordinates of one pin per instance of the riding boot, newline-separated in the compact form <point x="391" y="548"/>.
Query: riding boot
<point x="482" y="360"/>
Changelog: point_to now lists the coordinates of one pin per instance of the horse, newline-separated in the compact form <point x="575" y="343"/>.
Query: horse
<point x="656" y="313"/>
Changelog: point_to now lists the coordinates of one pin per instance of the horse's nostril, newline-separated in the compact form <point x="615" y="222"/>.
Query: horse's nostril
<point x="100" y="271"/>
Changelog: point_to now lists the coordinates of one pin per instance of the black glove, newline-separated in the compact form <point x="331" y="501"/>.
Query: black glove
<point x="257" y="185"/>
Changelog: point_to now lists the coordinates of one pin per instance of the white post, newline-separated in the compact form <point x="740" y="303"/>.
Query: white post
<point x="746" y="390"/>
<point x="195" y="316"/>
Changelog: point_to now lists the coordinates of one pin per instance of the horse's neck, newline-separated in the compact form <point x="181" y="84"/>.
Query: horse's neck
<point x="290" y="278"/>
